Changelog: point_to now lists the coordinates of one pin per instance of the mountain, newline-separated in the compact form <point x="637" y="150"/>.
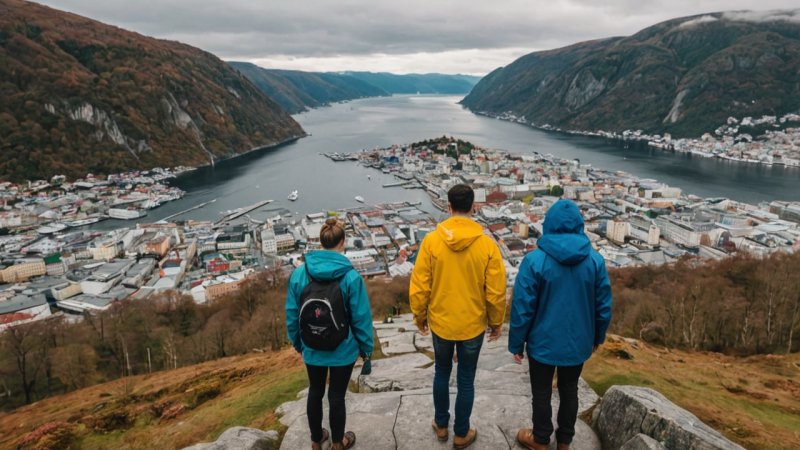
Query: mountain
<point x="297" y="91"/>
<point x="685" y="76"/>
<point x="81" y="96"/>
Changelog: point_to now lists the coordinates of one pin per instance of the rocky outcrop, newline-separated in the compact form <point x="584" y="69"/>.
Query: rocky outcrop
<point x="241" y="438"/>
<point x="642" y="442"/>
<point x="627" y="411"/>
<point x="394" y="405"/>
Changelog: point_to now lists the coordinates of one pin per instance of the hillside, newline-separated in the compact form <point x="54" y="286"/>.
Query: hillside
<point x="80" y="96"/>
<point x="753" y="401"/>
<point x="297" y="91"/>
<point x="685" y="76"/>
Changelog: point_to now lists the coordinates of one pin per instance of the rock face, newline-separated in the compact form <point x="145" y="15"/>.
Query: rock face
<point x="393" y="407"/>
<point x="241" y="438"/>
<point x="627" y="411"/>
<point x="642" y="442"/>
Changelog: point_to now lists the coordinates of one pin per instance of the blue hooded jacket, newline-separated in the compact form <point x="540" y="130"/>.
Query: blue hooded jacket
<point x="326" y="265"/>
<point x="562" y="295"/>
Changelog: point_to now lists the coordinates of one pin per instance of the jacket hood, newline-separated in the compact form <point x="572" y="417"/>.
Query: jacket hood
<point x="325" y="265"/>
<point x="459" y="232"/>
<point x="563" y="238"/>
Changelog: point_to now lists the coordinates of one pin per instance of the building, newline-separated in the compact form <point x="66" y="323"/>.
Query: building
<point x="23" y="271"/>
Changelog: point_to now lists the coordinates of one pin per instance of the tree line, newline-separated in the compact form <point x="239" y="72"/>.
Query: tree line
<point x="161" y="332"/>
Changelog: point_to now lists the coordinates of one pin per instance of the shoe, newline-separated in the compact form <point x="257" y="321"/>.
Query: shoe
<point x="441" y="432"/>
<point x="525" y="439"/>
<point x="318" y="445"/>
<point x="562" y="446"/>
<point x="465" y="441"/>
<point x="348" y="441"/>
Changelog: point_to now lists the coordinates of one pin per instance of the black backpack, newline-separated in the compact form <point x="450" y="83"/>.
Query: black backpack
<point x="324" y="321"/>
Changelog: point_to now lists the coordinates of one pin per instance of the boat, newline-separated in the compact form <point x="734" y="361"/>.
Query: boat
<point x="150" y="204"/>
<point x="293" y="196"/>
<point x="359" y="199"/>
<point x="51" y="228"/>
<point x="84" y="222"/>
<point x="126" y="213"/>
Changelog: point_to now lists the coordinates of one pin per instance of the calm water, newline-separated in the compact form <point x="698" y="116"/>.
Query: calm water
<point x="380" y="122"/>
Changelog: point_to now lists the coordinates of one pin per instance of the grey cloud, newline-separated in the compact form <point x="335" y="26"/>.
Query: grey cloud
<point x="253" y="29"/>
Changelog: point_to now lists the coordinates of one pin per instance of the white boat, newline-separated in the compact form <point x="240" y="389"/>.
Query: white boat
<point x="293" y="196"/>
<point x="126" y="213"/>
<point x="359" y="199"/>
<point x="51" y="228"/>
<point x="84" y="222"/>
<point x="150" y="204"/>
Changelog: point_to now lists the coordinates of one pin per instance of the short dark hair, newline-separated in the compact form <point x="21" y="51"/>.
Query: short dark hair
<point x="461" y="197"/>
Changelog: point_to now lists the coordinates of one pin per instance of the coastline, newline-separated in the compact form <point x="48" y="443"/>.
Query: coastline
<point x="632" y="137"/>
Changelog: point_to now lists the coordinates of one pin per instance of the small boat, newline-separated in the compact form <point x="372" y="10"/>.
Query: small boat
<point x="293" y="196"/>
<point x="52" y="228"/>
<point x="359" y="199"/>
<point x="84" y="222"/>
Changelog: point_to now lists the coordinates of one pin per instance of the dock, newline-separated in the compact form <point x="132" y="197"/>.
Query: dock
<point x="243" y="211"/>
<point x="166" y="219"/>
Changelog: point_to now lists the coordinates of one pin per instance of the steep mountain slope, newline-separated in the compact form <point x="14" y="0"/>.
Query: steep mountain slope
<point x="80" y="96"/>
<point x="296" y="91"/>
<point x="684" y="76"/>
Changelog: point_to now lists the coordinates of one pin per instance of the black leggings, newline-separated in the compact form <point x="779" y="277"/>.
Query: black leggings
<point x="542" y="390"/>
<point x="340" y="378"/>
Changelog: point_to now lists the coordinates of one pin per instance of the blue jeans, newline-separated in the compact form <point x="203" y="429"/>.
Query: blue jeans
<point x="468" y="352"/>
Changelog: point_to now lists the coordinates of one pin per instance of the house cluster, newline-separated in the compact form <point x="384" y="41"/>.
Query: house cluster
<point x="778" y="141"/>
<point x="53" y="206"/>
<point x="630" y="221"/>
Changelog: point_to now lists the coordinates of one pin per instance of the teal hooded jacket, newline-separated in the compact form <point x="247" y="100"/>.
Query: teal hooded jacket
<point x="327" y="265"/>
<point x="562" y="295"/>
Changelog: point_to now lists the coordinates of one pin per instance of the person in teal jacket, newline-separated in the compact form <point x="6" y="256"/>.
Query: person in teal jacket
<point x="559" y="313"/>
<point x="325" y="265"/>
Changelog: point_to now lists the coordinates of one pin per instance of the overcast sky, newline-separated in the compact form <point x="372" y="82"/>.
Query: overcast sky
<point x="401" y="36"/>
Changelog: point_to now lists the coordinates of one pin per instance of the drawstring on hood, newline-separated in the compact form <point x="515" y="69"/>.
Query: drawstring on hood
<point x="458" y="233"/>
<point x="564" y="239"/>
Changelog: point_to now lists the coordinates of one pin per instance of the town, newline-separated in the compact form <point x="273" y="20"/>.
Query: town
<point x="778" y="142"/>
<point x="630" y="221"/>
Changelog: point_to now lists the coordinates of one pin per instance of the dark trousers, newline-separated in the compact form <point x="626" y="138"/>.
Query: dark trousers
<point x="542" y="390"/>
<point x="340" y="378"/>
<point x="468" y="352"/>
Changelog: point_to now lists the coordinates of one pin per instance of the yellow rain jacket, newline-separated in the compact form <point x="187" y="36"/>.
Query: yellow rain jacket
<point x="459" y="281"/>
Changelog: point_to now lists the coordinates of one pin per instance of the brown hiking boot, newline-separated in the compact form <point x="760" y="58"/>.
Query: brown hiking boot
<point x="465" y="441"/>
<point x="318" y="445"/>
<point x="348" y="441"/>
<point x="525" y="439"/>
<point x="562" y="446"/>
<point x="441" y="432"/>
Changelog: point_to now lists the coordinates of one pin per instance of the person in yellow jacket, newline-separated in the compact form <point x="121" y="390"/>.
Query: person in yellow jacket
<point x="458" y="290"/>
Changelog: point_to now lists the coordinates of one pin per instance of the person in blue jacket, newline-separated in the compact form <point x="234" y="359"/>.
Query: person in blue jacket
<point x="325" y="265"/>
<point x="559" y="314"/>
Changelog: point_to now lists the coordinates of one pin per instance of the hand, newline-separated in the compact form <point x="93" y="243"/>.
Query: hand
<point x="423" y="328"/>
<point x="494" y="333"/>
<point x="518" y="358"/>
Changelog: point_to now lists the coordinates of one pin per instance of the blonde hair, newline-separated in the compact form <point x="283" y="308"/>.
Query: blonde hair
<point x="331" y="234"/>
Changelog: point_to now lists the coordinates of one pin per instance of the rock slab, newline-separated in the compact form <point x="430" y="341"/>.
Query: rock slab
<point x="627" y="411"/>
<point x="642" y="442"/>
<point x="241" y="438"/>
